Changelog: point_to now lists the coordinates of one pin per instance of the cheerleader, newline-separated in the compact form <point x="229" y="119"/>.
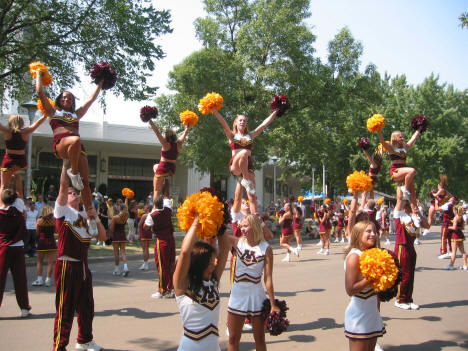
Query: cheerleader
<point x="297" y="226"/>
<point x="171" y="146"/>
<point x="287" y="231"/>
<point x="196" y="280"/>
<point x="323" y="216"/>
<point x="146" y="236"/>
<point x="375" y="167"/>
<point x="14" y="160"/>
<point x="119" y="240"/>
<point x="363" y="324"/>
<point x="241" y="142"/>
<point x="384" y="224"/>
<point x="64" y="120"/>
<point x="457" y="238"/>
<point x="399" y="171"/>
<point x="131" y="236"/>
<point x="255" y="257"/>
<point x="440" y="196"/>
<point x="103" y="215"/>
<point x="340" y="225"/>
<point x="45" y="227"/>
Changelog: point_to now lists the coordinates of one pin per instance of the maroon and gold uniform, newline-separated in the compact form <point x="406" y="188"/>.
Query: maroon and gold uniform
<point x="405" y="234"/>
<point x="46" y="230"/>
<point x="12" y="233"/>
<point x="73" y="280"/>
<point x="168" y="168"/>
<point x="160" y="221"/>
<point x="14" y="161"/>
<point x="287" y="227"/>
<point x="240" y="142"/>
<point x="447" y="218"/>
<point x="64" y="119"/>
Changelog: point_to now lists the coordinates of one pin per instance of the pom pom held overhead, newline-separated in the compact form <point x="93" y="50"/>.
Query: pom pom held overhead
<point x="188" y="118"/>
<point x="364" y="144"/>
<point x="376" y="123"/>
<point x="104" y="71"/>
<point x="209" y="101"/>
<point x="420" y="122"/>
<point x="280" y="103"/>
<point x="148" y="112"/>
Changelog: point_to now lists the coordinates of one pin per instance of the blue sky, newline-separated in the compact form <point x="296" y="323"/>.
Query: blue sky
<point x="412" y="37"/>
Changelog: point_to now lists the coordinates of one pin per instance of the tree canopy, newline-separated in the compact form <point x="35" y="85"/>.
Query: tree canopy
<point x="68" y="34"/>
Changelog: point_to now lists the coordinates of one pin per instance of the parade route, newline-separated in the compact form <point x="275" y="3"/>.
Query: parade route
<point x="127" y="318"/>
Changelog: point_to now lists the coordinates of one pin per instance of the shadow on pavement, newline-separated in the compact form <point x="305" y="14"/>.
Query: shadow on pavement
<point x="432" y="345"/>
<point x="446" y="304"/>
<point x="294" y="293"/>
<point x="152" y="344"/>
<point x="131" y="311"/>
<point x="321" y="323"/>
<point x="425" y="318"/>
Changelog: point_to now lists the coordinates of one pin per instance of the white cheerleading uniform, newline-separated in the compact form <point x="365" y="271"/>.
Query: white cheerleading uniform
<point x="200" y="316"/>
<point x="362" y="317"/>
<point x="248" y="294"/>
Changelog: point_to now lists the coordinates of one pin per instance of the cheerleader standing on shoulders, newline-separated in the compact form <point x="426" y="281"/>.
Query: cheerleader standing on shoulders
<point x="297" y="226"/>
<point x="14" y="160"/>
<point x="171" y="146"/>
<point x="64" y="120"/>
<point x="286" y="223"/>
<point x="254" y="257"/>
<point x="196" y="280"/>
<point x="119" y="240"/>
<point x="323" y="216"/>
<point x="374" y="169"/>
<point x="399" y="171"/>
<point x="241" y="142"/>
<point x="457" y="238"/>
<point x="45" y="227"/>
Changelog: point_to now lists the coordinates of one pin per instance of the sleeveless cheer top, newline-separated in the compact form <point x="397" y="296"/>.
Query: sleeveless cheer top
<point x="64" y="119"/>
<point x="200" y="313"/>
<point x="241" y="142"/>
<point x="287" y="226"/>
<point x="16" y="142"/>
<point x="250" y="262"/>
<point x="172" y="153"/>
<point x="398" y="154"/>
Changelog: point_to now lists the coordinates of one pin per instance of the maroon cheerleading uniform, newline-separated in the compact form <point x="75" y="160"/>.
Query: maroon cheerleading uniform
<point x="447" y="218"/>
<point x="323" y="227"/>
<point x="373" y="173"/>
<point x="64" y="119"/>
<point x="46" y="230"/>
<point x="457" y="234"/>
<point x="240" y="142"/>
<point x="14" y="161"/>
<point x="287" y="227"/>
<point x="160" y="221"/>
<point x="405" y="234"/>
<point x="12" y="233"/>
<point x="119" y="236"/>
<point x="73" y="280"/>
<point x="168" y="168"/>
<point x="297" y="223"/>
<point x="145" y="235"/>
<point x="398" y="154"/>
<point x="341" y="221"/>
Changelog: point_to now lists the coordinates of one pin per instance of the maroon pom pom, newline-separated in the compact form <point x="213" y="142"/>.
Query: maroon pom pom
<point x="104" y="71"/>
<point x="390" y="293"/>
<point x="212" y="191"/>
<point x="280" y="102"/>
<point x="275" y="323"/>
<point x="420" y="122"/>
<point x="364" y="144"/>
<point x="148" y="112"/>
<point x="291" y="198"/>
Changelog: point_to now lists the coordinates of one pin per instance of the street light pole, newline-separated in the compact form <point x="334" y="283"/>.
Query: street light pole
<point x="274" y="160"/>
<point x="31" y="106"/>
<point x="313" y="184"/>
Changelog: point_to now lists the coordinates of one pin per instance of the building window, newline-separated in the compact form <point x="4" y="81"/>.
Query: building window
<point x="48" y="160"/>
<point x="132" y="167"/>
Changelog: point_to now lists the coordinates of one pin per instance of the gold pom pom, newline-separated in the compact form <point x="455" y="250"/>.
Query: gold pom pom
<point x="209" y="209"/>
<point x="40" y="107"/>
<point x="375" y="123"/>
<point x="359" y="182"/>
<point x="345" y="201"/>
<point x="327" y="201"/>
<point x="300" y="198"/>
<point x="379" y="268"/>
<point x="380" y="201"/>
<point x="209" y="101"/>
<point x="35" y="67"/>
<point x="188" y="118"/>
<point x="128" y="193"/>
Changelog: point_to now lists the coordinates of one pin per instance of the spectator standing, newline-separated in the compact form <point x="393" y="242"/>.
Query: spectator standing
<point x="31" y="237"/>
<point x="51" y="195"/>
<point x="39" y="203"/>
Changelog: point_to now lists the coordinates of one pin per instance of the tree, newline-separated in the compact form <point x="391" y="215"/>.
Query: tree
<point x="68" y="35"/>
<point x="253" y="51"/>
<point x="463" y="19"/>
